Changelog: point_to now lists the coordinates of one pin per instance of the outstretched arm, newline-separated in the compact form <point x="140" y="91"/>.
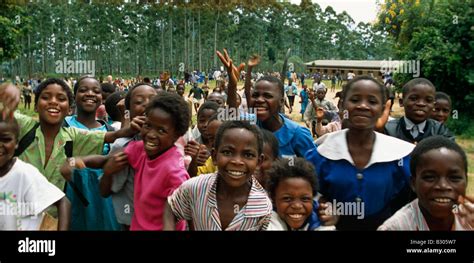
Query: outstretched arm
<point x="253" y="61"/>
<point x="233" y="73"/>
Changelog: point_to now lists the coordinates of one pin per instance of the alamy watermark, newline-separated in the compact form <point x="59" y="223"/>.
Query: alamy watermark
<point x="401" y="66"/>
<point x="66" y="66"/>
<point x="233" y="114"/>
<point x="346" y="209"/>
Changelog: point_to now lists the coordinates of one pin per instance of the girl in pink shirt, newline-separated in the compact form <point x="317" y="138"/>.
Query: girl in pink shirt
<point x="159" y="166"/>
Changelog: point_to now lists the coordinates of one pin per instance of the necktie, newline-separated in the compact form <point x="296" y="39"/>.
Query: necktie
<point x="414" y="131"/>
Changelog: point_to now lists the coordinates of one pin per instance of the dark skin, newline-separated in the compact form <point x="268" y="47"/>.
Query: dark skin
<point x="54" y="97"/>
<point x="88" y="99"/>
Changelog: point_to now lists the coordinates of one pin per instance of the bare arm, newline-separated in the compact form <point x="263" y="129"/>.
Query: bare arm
<point x="169" y="220"/>
<point x="134" y="128"/>
<point x="118" y="161"/>
<point x="64" y="213"/>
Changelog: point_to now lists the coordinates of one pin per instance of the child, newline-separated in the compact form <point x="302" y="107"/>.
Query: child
<point x="303" y="101"/>
<point x="270" y="154"/>
<point x="230" y="199"/>
<point x="292" y="187"/>
<point x="119" y="181"/>
<point x="213" y="125"/>
<point x="267" y="98"/>
<point x="318" y="100"/>
<point x="113" y="109"/>
<point x="354" y="166"/>
<point x="48" y="142"/>
<point x="418" y="99"/>
<point x="197" y="97"/>
<point x="159" y="166"/>
<point x="24" y="191"/>
<point x="199" y="148"/>
<point x="439" y="177"/>
<point x="99" y="213"/>
<point x="442" y="107"/>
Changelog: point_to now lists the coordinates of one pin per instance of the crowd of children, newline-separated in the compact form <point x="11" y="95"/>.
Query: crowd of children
<point x="143" y="166"/>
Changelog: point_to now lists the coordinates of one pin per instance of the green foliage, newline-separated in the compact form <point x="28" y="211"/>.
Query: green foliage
<point x="145" y="39"/>
<point x="439" y="34"/>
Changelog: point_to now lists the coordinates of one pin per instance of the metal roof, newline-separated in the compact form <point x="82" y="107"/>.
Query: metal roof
<point x="371" y="64"/>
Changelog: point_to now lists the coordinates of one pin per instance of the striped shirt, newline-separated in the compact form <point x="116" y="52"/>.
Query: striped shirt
<point x="410" y="218"/>
<point x="196" y="200"/>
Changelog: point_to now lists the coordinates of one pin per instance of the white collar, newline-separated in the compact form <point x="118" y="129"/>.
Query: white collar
<point x="409" y="125"/>
<point x="386" y="148"/>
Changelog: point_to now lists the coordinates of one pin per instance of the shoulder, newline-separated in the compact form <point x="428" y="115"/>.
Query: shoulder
<point x="403" y="219"/>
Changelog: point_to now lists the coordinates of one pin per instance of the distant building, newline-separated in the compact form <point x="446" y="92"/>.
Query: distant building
<point x="373" y="68"/>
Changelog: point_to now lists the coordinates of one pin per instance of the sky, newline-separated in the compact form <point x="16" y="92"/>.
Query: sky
<point x="360" y="10"/>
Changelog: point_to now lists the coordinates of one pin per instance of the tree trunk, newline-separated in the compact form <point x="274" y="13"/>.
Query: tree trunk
<point x="199" y="40"/>
<point x="215" y="40"/>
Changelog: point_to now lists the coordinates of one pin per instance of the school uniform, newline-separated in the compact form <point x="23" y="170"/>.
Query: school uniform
<point x="406" y="130"/>
<point x="293" y="139"/>
<point x="375" y="186"/>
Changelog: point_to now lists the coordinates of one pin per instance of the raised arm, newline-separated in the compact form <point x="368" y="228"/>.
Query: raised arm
<point x="9" y="99"/>
<point x="233" y="73"/>
<point x="135" y="127"/>
<point x="253" y="61"/>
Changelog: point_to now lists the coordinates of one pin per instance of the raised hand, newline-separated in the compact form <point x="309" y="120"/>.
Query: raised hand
<point x="9" y="99"/>
<point x="466" y="210"/>
<point x="382" y="120"/>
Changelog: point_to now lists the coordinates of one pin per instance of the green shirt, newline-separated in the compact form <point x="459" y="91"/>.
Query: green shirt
<point x="84" y="143"/>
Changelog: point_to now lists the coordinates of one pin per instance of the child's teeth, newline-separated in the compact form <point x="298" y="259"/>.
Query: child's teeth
<point x="296" y="216"/>
<point x="235" y="173"/>
<point x="442" y="200"/>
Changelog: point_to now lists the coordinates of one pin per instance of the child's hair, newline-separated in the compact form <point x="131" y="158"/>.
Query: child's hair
<point x="274" y="80"/>
<point x="173" y="104"/>
<point x="107" y="87"/>
<point x="291" y="168"/>
<point x="442" y="96"/>
<point x="13" y="124"/>
<point x="111" y="105"/>
<point x="208" y="105"/>
<point x="128" y="97"/>
<point x="412" y="83"/>
<point x="431" y="143"/>
<point x="349" y="85"/>
<point x="76" y="86"/>
<point x="60" y="82"/>
<point x="270" y="139"/>
<point x="238" y="125"/>
<point x="213" y="117"/>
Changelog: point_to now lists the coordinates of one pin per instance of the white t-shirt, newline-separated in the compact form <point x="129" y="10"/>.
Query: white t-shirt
<point x="24" y="194"/>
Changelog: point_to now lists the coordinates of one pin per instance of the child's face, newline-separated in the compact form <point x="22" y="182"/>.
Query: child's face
<point x="364" y="104"/>
<point x="321" y="93"/>
<point x="53" y="105"/>
<point x="268" y="159"/>
<point x="158" y="132"/>
<point x="217" y="98"/>
<point x="419" y="103"/>
<point x="267" y="99"/>
<point x="139" y="99"/>
<point x="88" y="95"/>
<point x="202" y="120"/>
<point x="441" y="110"/>
<point x="211" y="131"/>
<point x="294" y="201"/>
<point x="237" y="156"/>
<point x="8" y="143"/>
<point x="440" y="179"/>
<point x="180" y="89"/>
